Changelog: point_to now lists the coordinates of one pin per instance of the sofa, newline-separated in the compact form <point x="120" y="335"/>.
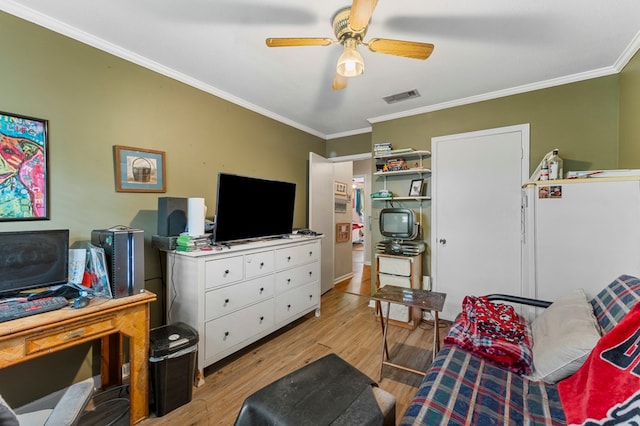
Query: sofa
<point x="464" y="387"/>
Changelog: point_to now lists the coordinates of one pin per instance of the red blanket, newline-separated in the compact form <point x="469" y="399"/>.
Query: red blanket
<point x="493" y="331"/>
<point x="606" y="389"/>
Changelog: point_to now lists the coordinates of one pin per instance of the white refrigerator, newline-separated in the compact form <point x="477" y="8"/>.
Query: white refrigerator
<point x="579" y="233"/>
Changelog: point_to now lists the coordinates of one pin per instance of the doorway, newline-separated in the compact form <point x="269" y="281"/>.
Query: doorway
<point x="323" y="173"/>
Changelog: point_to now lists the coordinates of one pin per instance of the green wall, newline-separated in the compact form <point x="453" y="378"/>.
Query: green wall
<point x="93" y="101"/>
<point x="581" y="119"/>
<point x="629" y="111"/>
<point x="349" y="145"/>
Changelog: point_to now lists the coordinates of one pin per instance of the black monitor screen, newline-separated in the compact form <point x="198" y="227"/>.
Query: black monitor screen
<point x="31" y="259"/>
<point x="251" y="208"/>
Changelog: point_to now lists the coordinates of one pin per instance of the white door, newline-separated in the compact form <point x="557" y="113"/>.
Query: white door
<point x="476" y="213"/>
<point x="320" y="209"/>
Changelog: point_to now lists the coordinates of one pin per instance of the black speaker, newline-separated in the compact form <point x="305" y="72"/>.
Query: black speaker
<point x="172" y="216"/>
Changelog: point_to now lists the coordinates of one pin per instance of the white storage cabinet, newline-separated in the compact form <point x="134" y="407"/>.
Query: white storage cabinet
<point x="237" y="295"/>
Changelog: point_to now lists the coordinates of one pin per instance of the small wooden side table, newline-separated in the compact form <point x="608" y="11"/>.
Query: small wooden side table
<point x="412" y="298"/>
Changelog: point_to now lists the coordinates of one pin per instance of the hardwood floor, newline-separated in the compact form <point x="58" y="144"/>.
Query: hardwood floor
<point x="360" y="283"/>
<point x="346" y="326"/>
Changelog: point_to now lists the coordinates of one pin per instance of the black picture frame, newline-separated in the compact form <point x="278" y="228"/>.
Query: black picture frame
<point x="417" y="187"/>
<point x="24" y="147"/>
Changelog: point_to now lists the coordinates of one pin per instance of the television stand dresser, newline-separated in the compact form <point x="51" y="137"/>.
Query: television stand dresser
<point x="237" y="294"/>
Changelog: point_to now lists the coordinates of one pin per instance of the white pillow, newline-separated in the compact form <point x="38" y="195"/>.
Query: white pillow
<point x="563" y="336"/>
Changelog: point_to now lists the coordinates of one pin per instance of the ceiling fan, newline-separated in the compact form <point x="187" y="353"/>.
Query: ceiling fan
<point x="350" y="25"/>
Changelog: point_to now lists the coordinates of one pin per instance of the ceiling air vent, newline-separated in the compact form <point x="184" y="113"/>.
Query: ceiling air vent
<point x="399" y="97"/>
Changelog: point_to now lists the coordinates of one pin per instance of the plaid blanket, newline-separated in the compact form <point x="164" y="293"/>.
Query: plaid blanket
<point x="462" y="388"/>
<point x="495" y="332"/>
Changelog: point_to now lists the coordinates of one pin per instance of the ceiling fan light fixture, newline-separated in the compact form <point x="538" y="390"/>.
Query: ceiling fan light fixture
<point x="350" y="63"/>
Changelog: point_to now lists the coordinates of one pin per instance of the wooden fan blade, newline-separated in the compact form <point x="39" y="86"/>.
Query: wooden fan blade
<point x="360" y="15"/>
<point x="409" y="49"/>
<point x="310" y="41"/>
<point x="339" y="82"/>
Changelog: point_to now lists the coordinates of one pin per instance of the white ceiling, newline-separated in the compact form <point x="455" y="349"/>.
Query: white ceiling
<point x="483" y="49"/>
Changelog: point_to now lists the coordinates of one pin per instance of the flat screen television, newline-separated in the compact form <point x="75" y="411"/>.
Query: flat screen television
<point x="398" y="223"/>
<point x="252" y="208"/>
<point x="33" y="259"/>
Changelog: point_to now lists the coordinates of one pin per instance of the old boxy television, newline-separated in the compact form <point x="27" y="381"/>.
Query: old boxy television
<point x="250" y="208"/>
<point x="33" y="259"/>
<point x="398" y="223"/>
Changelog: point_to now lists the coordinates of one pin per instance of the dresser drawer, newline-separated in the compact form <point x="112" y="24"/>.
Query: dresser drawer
<point x="297" y="255"/>
<point x="295" y="301"/>
<point x="397" y="280"/>
<point x="63" y="336"/>
<point x="225" y="300"/>
<point x="291" y="278"/>
<point x="230" y="330"/>
<point x="395" y="265"/>
<point x="223" y="271"/>
<point x="258" y="263"/>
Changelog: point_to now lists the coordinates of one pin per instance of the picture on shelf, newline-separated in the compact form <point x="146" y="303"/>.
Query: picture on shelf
<point x="418" y="188"/>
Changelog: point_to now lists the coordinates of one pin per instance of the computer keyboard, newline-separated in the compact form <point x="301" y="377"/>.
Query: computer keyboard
<point x="14" y="309"/>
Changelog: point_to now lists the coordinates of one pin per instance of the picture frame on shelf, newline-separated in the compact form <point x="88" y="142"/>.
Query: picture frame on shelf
<point x="25" y="154"/>
<point x="139" y="170"/>
<point x="418" y="188"/>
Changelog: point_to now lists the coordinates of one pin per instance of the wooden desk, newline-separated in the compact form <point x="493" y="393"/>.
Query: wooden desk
<point x="413" y="298"/>
<point x="106" y="319"/>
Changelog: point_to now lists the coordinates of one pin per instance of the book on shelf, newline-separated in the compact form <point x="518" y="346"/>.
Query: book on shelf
<point x="382" y="148"/>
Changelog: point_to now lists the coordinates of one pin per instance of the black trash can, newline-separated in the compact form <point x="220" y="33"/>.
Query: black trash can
<point x="172" y="361"/>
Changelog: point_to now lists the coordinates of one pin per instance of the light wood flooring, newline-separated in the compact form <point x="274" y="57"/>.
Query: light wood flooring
<point x="360" y="283"/>
<point x="347" y="326"/>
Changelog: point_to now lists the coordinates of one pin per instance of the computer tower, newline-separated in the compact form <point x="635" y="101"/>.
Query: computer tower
<point x="172" y="216"/>
<point x="124" y="250"/>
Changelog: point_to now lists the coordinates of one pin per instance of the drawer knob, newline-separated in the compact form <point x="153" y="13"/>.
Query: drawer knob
<point x="261" y="290"/>
<point x="310" y="253"/>
<point x="310" y="273"/>
<point x="261" y="264"/>
<point x="226" y="272"/>
<point x="288" y="307"/>
<point x="288" y="258"/>
<point x="226" y="301"/>
<point x="311" y="297"/>
<point x="261" y="319"/>
<point x="226" y="334"/>
<point x="288" y="280"/>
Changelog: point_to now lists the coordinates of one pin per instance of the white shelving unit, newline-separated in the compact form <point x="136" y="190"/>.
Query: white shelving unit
<point x="419" y="171"/>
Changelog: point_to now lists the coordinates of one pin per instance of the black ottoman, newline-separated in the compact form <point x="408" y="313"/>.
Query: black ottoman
<point x="329" y="391"/>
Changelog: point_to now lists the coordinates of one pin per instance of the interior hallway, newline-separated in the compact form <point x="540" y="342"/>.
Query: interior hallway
<point x="360" y="283"/>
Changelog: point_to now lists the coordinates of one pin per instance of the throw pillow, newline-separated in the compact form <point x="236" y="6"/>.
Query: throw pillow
<point x="7" y="416"/>
<point x="563" y="336"/>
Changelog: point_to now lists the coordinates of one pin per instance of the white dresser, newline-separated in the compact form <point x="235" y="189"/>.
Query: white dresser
<point x="236" y="295"/>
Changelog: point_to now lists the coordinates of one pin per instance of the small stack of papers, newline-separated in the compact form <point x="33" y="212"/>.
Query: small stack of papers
<point x="192" y="243"/>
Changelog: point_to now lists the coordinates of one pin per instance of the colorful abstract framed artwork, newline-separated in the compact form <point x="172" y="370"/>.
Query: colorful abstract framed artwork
<point x="24" y="174"/>
<point x="139" y="170"/>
